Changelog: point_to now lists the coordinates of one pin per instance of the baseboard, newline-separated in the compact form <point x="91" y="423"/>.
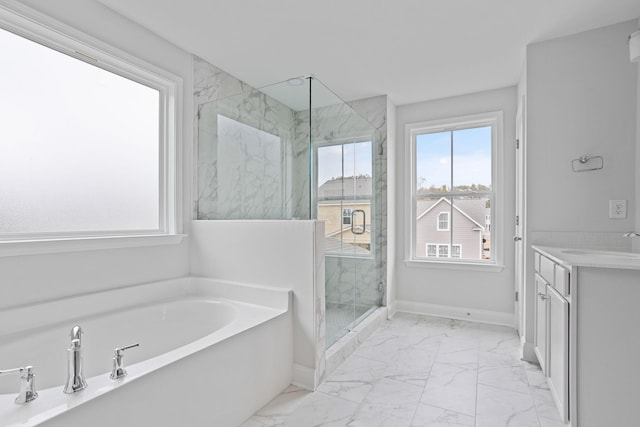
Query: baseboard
<point x="392" y="309"/>
<point x="303" y="377"/>
<point x="460" y="313"/>
<point x="528" y="353"/>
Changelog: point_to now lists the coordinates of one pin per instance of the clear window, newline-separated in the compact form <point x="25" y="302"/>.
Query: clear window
<point x="84" y="143"/>
<point x="453" y="188"/>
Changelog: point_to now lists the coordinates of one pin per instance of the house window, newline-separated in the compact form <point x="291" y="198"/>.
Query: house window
<point x="456" y="251"/>
<point x="432" y="250"/>
<point x="439" y="250"/>
<point x="453" y="172"/>
<point x="346" y="216"/>
<point x="443" y="221"/>
<point x="443" y="251"/>
<point x="87" y="139"/>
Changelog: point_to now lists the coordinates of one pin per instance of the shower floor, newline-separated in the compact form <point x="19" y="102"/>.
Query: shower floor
<point x="340" y="320"/>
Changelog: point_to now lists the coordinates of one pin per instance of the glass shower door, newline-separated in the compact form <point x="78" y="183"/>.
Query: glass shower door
<point x="344" y="194"/>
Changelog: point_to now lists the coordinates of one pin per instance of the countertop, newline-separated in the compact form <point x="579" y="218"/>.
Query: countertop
<point x="572" y="257"/>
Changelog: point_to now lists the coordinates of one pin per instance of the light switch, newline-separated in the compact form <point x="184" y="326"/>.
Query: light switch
<point x="617" y="209"/>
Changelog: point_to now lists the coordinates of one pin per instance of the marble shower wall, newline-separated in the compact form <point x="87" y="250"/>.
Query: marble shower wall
<point x="247" y="159"/>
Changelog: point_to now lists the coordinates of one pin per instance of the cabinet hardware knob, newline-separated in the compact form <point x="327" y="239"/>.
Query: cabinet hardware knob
<point x="543" y="296"/>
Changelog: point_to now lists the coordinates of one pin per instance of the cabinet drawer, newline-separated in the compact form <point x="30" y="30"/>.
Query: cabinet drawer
<point x="562" y="280"/>
<point x="547" y="270"/>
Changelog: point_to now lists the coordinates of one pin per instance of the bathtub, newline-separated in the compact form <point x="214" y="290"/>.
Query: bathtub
<point x="211" y="353"/>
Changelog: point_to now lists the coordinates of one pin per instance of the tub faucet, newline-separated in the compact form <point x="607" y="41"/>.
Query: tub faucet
<point x="27" y="383"/>
<point x="631" y="234"/>
<point x="118" y="370"/>
<point x="75" y="363"/>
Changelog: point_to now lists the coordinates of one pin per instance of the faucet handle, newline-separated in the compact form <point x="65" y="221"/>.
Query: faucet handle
<point x="27" y="385"/>
<point x="118" y="370"/>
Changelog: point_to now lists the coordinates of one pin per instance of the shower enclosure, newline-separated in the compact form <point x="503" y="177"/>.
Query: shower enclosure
<point x="294" y="150"/>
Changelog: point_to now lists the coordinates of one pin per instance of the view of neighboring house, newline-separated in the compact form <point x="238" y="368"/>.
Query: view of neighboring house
<point x="459" y="232"/>
<point x="344" y="204"/>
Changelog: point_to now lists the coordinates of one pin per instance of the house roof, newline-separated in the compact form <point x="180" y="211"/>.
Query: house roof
<point x="475" y="209"/>
<point x="347" y="187"/>
<point x="334" y="244"/>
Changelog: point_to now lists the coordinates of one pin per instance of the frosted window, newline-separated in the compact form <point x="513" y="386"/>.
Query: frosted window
<point x="79" y="146"/>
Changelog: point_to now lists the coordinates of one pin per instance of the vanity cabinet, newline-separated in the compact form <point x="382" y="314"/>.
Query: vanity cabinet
<point x="558" y="363"/>
<point x="540" y="337"/>
<point x="551" y="339"/>
<point x="586" y="333"/>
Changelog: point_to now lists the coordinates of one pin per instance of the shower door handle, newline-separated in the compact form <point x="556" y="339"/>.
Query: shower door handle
<point x="364" y="221"/>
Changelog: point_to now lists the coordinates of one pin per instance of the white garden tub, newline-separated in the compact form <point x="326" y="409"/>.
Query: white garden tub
<point x="211" y="353"/>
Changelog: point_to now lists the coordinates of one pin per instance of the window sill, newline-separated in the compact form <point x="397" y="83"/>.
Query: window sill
<point x="34" y="247"/>
<point x="469" y="266"/>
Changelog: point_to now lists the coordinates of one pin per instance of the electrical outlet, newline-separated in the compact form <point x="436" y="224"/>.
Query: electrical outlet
<point x="617" y="209"/>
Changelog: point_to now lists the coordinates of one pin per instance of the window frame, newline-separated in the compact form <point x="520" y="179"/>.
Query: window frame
<point x="39" y="28"/>
<point x="439" y="222"/>
<point x="411" y="131"/>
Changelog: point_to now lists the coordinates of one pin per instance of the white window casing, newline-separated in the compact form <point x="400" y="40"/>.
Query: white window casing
<point x="496" y="220"/>
<point x="32" y="25"/>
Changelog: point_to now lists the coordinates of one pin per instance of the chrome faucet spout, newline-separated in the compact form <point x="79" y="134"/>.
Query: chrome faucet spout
<point x="75" y="363"/>
<point x="76" y="334"/>
<point x="632" y="234"/>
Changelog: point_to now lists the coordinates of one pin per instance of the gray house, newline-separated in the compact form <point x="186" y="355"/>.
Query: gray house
<point x="458" y="231"/>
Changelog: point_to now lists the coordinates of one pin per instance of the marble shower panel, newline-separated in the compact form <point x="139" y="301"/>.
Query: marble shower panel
<point x="244" y="158"/>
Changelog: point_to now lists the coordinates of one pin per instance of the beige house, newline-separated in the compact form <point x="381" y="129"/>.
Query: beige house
<point x="461" y="231"/>
<point x="344" y="204"/>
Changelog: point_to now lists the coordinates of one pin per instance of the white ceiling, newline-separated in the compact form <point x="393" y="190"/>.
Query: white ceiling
<point x="411" y="50"/>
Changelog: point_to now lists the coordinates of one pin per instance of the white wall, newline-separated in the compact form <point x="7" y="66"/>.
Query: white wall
<point x="581" y="100"/>
<point x="25" y="279"/>
<point x="282" y="254"/>
<point x="636" y="241"/>
<point x="488" y="295"/>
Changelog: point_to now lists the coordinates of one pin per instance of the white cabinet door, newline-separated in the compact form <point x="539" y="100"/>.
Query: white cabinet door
<point x="540" y="338"/>
<point x="558" y="351"/>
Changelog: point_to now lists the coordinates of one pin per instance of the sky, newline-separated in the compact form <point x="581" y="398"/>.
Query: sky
<point x="356" y="158"/>
<point x="471" y="158"/>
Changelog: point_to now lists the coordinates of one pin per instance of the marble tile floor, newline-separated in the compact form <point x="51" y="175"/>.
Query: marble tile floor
<point x="340" y="318"/>
<point x="419" y="371"/>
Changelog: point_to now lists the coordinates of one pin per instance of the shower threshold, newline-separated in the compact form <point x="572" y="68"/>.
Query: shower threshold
<point x="366" y="324"/>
